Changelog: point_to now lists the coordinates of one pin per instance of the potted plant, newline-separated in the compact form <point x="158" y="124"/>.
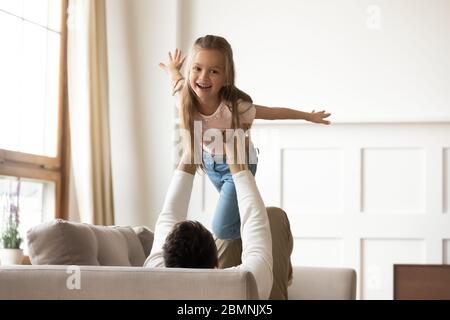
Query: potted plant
<point x="10" y="252"/>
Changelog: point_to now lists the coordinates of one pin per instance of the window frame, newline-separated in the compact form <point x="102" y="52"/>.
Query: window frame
<point x="52" y="169"/>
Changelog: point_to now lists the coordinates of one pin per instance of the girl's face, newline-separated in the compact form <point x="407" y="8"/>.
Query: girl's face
<point x="207" y="75"/>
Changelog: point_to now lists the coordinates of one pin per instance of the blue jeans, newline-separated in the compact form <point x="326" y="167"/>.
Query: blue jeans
<point x="226" y="223"/>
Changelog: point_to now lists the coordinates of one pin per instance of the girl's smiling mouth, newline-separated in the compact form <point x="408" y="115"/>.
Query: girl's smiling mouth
<point x="203" y="86"/>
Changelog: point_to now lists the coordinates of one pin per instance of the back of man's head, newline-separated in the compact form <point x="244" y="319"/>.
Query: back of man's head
<point x="190" y="245"/>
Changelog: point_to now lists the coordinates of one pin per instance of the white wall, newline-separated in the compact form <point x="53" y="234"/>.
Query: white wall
<point x="333" y="53"/>
<point x="140" y="32"/>
<point x="372" y="189"/>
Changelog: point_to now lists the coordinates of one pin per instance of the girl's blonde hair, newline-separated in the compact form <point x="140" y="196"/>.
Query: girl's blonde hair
<point x="230" y="93"/>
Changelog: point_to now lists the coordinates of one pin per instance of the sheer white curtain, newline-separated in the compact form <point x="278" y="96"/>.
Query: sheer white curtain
<point x="91" y="193"/>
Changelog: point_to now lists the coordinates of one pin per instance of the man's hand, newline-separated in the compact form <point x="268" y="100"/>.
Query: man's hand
<point x="318" y="117"/>
<point x="235" y="151"/>
<point x="174" y="65"/>
<point x="186" y="164"/>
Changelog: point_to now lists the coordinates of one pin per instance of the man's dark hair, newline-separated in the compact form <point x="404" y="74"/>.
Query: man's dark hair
<point x="190" y="245"/>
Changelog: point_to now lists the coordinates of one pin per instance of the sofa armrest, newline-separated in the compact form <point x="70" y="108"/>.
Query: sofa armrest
<point x="101" y="282"/>
<point x="311" y="283"/>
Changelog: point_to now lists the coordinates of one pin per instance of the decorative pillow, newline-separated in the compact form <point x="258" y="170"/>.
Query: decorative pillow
<point x="65" y="243"/>
<point x="62" y="242"/>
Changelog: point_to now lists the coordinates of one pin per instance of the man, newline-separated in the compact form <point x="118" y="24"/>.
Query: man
<point x="187" y="244"/>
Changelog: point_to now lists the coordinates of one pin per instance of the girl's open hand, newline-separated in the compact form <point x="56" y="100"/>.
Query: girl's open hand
<point x="319" y="117"/>
<point x="175" y="62"/>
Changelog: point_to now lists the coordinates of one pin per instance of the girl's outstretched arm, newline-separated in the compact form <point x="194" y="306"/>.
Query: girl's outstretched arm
<point x="173" y="67"/>
<point x="268" y="113"/>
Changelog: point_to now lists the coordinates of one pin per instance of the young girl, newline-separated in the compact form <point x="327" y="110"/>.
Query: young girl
<point x="208" y="94"/>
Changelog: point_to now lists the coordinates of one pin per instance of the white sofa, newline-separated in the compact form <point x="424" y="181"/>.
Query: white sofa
<point x="103" y="282"/>
<point x="81" y="261"/>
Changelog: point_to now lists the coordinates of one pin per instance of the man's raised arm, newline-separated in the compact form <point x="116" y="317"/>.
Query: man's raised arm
<point x="255" y="228"/>
<point x="174" y="210"/>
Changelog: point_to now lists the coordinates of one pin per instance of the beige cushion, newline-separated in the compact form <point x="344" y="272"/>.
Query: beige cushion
<point x="146" y="236"/>
<point x="66" y="243"/>
<point x="60" y="242"/>
<point x="118" y="246"/>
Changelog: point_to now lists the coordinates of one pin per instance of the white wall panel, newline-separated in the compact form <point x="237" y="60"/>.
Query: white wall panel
<point x="378" y="257"/>
<point x="393" y="180"/>
<point x="312" y="180"/>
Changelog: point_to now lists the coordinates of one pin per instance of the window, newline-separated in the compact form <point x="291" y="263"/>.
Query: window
<point x="33" y="114"/>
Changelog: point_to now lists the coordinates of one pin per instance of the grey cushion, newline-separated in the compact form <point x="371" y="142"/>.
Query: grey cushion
<point x="66" y="243"/>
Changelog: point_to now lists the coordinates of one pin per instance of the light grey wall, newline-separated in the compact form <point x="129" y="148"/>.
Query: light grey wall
<point x="140" y="32"/>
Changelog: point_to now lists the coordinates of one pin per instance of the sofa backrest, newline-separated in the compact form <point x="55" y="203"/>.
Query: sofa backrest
<point x="102" y="282"/>
<point x="61" y="242"/>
